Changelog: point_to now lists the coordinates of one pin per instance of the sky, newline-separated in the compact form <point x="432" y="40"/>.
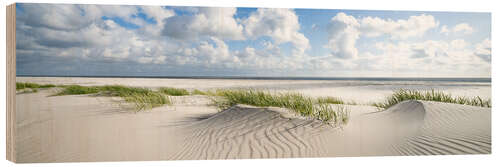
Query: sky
<point x="113" y="40"/>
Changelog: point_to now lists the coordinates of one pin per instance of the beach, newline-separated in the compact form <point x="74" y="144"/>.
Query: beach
<point x="81" y="128"/>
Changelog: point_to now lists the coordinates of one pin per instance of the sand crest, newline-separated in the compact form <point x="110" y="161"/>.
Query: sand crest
<point x="415" y="128"/>
<point x="249" y="132"/>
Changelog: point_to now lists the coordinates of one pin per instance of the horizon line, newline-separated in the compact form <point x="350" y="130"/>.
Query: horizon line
<point x="260" y="77"/>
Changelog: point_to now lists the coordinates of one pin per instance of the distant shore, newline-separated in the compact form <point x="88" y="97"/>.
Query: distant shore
<point x="449" y="79"/>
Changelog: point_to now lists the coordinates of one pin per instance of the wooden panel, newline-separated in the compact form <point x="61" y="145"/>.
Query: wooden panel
<point x="11" y="82"/>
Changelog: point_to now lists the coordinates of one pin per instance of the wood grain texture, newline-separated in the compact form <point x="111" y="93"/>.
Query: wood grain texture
<point x="11" y="82"/>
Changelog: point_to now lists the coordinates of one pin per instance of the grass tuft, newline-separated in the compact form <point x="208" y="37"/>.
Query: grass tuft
<point x="34" y="86"/>
<point x="304" y="106"/>
<point x="432" y="95"/>
<point x="198" y="92"/>
<point x="77" y="90"/>
<point x="330" y="100"/>
<point x="142" y="98"/>
<point x="173" y="91"/>
<point x="146" y="100"/>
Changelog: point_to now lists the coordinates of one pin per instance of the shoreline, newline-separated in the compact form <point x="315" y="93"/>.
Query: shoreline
<point x="435" y="79"/>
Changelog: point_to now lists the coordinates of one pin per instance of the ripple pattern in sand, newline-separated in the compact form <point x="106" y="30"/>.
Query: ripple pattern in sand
<point x="242" y="132"/>
<point x="450" y="129"/>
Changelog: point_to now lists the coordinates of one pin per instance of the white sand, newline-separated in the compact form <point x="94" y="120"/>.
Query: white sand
<point x="415" y="128"/>
<point x="84" y="128"/>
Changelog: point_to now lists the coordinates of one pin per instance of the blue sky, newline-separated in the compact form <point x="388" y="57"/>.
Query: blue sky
<point x="91" y="40"/>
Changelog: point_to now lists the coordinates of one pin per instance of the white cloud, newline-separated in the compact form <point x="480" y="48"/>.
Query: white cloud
<point x="154" y="60"/>
<point x="483" y="50"/>
<point x="201" y="40"/>
<point x="428" y="57"/>
<point x="282" y="25"/>
<point x="462" y="28"/>
<point x="343" y="33"/>
<point x="345" y="30"/>
<point x="59" y="17"/>
<point x="458" y="44"/>
<point x="207" y="22"/>
<point x="445" y="30"/>
<point x="85" y="35"/>
<point x="414" y="26"/>
<point x="158" y="13"/>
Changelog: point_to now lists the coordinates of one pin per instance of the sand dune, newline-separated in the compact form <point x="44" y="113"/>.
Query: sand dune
<point x="248" y="132"/>
<point x="86" y="128"/>
<point x="409" y="128"/>
<point x="450" y="129"/>
<point x="416" y="128"/>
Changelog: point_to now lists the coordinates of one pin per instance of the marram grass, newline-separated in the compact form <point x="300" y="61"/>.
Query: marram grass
<point x="142" y="98"/>
<point x="431" y="95"/>
<point x="34" y="86"/>
<point x="77" y="90"/>
<point x="146" y="100"/>
<point x="330" y="100"/>
<point x="173" y="91"/>
<point x="302" y="105"/>
<point x="198" y="92"/>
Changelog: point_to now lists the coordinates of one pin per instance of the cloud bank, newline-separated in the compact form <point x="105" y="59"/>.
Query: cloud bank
<point x="153" y="40"/>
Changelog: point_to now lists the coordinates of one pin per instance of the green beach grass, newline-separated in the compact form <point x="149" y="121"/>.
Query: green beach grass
<point x="330" y="100"/>
<point x="198" y="92"/>
<point x="24" y="85"/>
<point x="142" y="98"/>
<point x="431" y="95"/>
<point x="318" y="108"/>
<point x="302" y="105"/>
<point x="173" y="91"/>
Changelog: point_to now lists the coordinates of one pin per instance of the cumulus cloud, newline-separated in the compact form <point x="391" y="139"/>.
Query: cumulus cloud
<point x="462" y="28"/>
<point x="79" y="31"/>
<point x="208" y="39"/>
<point x="202" y="34"/>
<point x="414" y="26"/>
<point x="483" y="50"/>
<point x="158" y="13"/>
<point x="430" y="55"/>
<point x="205" y="22"/>
<point x="345" y="30"/>
<point x="282" y="25"/>
<point x="59" y="17"/>
<point x="445" y="30"/>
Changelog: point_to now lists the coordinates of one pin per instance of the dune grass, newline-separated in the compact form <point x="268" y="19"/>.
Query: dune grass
<point x="173" y="91"/>
<point x="431" y="95"/>
<point x="146" y="100"/>
<point x="302" y="105"/>
<point x="34" y="86"/>
<point x="330" y="100"/>
<point x="198" y="92"/>
<point x="142" y="98"/>
<point x="77" y="90"/>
